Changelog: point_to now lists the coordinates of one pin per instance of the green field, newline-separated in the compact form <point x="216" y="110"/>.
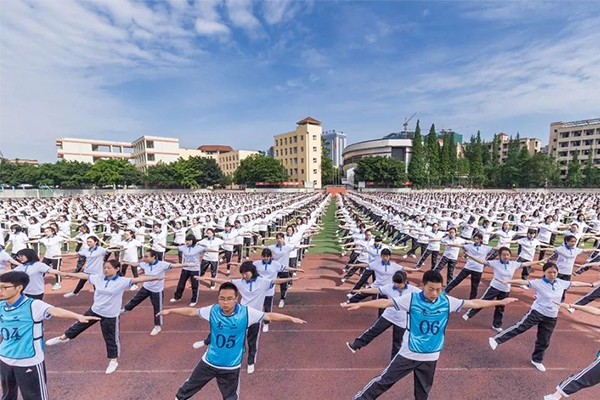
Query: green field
<point x="326" y="241"/>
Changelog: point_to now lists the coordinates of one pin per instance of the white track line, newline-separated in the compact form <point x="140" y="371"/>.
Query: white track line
<point x="304" y="331"/>
<point x="171" y="371"/>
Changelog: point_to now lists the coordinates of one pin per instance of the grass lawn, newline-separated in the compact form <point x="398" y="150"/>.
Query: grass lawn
<point x="326" y="241"/>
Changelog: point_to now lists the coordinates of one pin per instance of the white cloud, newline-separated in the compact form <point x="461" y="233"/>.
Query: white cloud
<point x="241" y="15"/>
<point x="205" y="27"/>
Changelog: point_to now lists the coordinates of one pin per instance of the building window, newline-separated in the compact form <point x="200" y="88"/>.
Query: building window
<point x="286" y="152"/>
<point x="295" y="160"/>
<point x="276" y="153"/>
<point x="314" y="148"/>
<point x="149" y="144"/>
<point x="285" y="141"/>
<point x="302" y="149"/>
<point x="302" y="161"/>
<point x="314" y="137"/>
<point x="150" y="157"/>
<point x="576" y="143"/>
<point x="314" y="171"/>
<point x="302" y="171"/>
<point x="314" y="160"/>
<point x="295" y="139"/>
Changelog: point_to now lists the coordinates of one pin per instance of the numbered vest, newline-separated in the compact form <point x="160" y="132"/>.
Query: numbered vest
<point x="16" y="328"/>
<point x="227" y="337"/>
<point x="427" y="323"/>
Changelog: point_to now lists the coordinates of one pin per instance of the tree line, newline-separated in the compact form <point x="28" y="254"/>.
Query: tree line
<point x="194" y="172"/>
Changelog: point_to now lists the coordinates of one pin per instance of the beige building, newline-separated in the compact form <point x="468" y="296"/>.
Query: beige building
<point x="533" y="145"/>
<point x="575" y="137"/>
<point x="150" y="150"/>
<point x="230" y="161"/>
<point x="299" y="152"/>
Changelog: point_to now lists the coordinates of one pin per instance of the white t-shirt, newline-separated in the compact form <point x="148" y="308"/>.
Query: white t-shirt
<point x="130" y="250"/>
<point x="191" y="255"/>
<point x="566" y="258"/>
<point x="52" y="245"/>
<point x="4" y="258"/>
<point x="451" y="252"/>
<point x="108" y="294"/>
<point x="503" y="272"/>
<point x="158" y="268"/>
<point x="159" y="237"/>
<point x="212" y="244"/>
<point x="396" y="317"/>
<point x="19" y="241"/>
<point x="253" y="292"/>
<point x="547" y="295"/>
<point x="269" y="271"/>
<point x="281" y="254"/>
<point x="36" y="273"/>
<point x="383" y="272"/>
<point x="480" y="251"/>
<point x="528" y="247"/>
<point x="39" y="312"/>
<point x="403" y="303"/>
<point x="94" y="259"/>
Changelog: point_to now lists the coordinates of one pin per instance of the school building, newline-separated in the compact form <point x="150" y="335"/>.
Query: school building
<point x="147" y="151"/>
<point x="532" y="145"/>
<point x="299" y="151"/>
<point x="575" y="137"/>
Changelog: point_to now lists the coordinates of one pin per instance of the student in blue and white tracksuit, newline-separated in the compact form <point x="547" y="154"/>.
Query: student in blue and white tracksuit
<point x="22" y="366"/>
<point x="390" y="317"/>
<point x="229" y="322"/>
<point x="108" y="300"/>
<point x="253" y="289"/>
<point x="586" y="378"/>
<point x="428" y="314"/>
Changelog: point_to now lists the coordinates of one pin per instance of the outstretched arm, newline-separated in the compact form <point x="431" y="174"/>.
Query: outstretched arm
<point x="489" y="303"/>
<point x="215" y="280"/>
<point x="585" y="284"/>
<point x="62" y="313"/>
<point x="517" y="282"/>
<point x="530" y="263"/>
<point x="381" y="303"/>
<point x="284" y="280"/>
<point x="147" y="279"/>
<point x="185" y="311"/>
<point x="587" y="309"/>
<point x="282" y="317"/>
<point x="78" y="275"/>
<point x="366" y="291"/>
<point x="476" y="259"/>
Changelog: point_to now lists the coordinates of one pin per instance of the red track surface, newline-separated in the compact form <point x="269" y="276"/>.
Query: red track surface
<point x="311" y="361"/>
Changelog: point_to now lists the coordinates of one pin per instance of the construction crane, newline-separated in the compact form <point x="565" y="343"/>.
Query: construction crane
<point x="406" y="121"/>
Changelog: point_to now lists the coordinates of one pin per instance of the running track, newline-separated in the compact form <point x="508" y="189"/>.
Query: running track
<point x="311" y="361"/>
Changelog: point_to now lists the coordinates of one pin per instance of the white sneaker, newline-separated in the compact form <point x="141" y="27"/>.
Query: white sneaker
<point x="344" y="280"/>
<point x="266" y="328"/>
<point x="112" y="367"/>
<point x="250" y="368"/>
<point x="198" y="345"/>
<point x="493" y="343"/>
<point x="193" y="304"/>
<point x="281" y="303"/>
<point x="465" y="316"/>
<point x="405" y="256"/>
<point x="571" y="310"/>
<point x="133" y="287"/>
<point x="550" y="397"/>
<point x="349" y="295"/>
<point x="352" y="349"/>
<point x="525" y="287"/>
<point x="70" y="294"/>
<point x="413" y="255"/>
<point x="343" y="304"/>
<point x="213" y="286"/>
<point x="122" y="311"/>
<point x="56" y="340"/>
<point x="56" y="286"/>
<point x="496" y="329"/>
<point x="174" y="300"/>
<point x="156" y="330"/>
<point x="540" y="367"/>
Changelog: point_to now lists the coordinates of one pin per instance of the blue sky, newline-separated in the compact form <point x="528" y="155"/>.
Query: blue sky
<point x="238" y="72"/>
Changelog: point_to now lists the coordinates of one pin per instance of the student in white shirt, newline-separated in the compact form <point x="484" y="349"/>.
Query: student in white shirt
<point x="178" y="237"/>
<point x="543" y="313"/>
<point x="434" y="235"/>
<point x="253" y="289"/>
<point x="452" y="245"/>
<point x="108" y="299"/>
<point x="52" y="257"/>
<point x="211" y="246"/>
<point x="190" y="253"/>
<point x="471" y="268"/>
<point x="390" y="317"/>
<point x="159" y="240"/>
<point x="17" y="239"/>
<point x="228" y="235"/>
<point x="36" y="270"/>
<point x="504" y="270"/>
<point x="152" y="266"/>
<point x="565" y="255"/>
<point x="130" y="248"/>
<point x="6" y="260"/>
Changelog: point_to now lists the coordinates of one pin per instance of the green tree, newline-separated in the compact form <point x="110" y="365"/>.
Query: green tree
<point x="523" y="162"/>
<point x="432" y="151"/>
<point x="381" y="170"/>
<point x="72" y="174"/>
<point x="327" y="168"/>
<point x="591" y="172"/>
<point x="493" y="170"/>
<point x="475" y="157"/>
<point x="511" y="169"/>
<point x="162" y="175"/>
<point x="445" y="173"/>
<point x="195" y="172"/>
<point x="259" y="168"/>
<point x="574" y="175"/>
<point x="113" y="172"/>
<point x="417" y="171"/>
<point x="542" y="171"/>
<point x="452" y="158"/>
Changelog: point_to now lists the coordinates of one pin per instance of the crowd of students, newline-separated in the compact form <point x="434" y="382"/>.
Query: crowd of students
<point x="110" y="235"/>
